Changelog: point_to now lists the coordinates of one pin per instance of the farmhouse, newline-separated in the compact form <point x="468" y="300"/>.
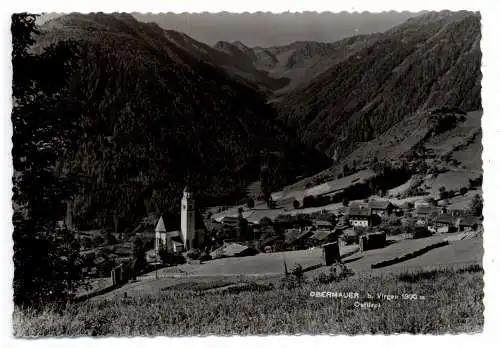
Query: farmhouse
<point x="233" y="250"/>
<point x="444" y="224"/>
<point x="467" y="223"/>
<point x="424" y="212"/>
<point x="381" y="208"/>
<point x="322" y="225"/>
<point x="297" y="238"/>
<point x="321" y="237"/>
<point x="360" y="216"/>
<point x="230" y="221"/>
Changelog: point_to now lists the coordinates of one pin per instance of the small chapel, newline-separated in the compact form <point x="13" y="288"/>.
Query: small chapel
<point x="191" y="233"/>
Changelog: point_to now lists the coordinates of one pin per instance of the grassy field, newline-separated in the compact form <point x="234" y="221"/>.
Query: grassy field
<point x="448" y="301"/>
<point x="259" y="264"/>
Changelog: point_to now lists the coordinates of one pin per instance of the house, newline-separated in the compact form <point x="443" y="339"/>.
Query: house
<point x="233" y="250"/>
<point x="232" y="221"/>
<point x="297" y="238"/>
<point x="263" y="231"/>
<point x="467" y="223"/>
<point x="322" y="225"/>
<point x="424" y="212"/>
<point x="443" y="224"/>
<point x="360" y="216"/>
<point x="322" y="237"/>
<point x="342" y="220"/>
<point x="381" y="208"/>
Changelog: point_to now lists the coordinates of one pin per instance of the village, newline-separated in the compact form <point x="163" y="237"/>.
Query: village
<point x="310" y="237"/>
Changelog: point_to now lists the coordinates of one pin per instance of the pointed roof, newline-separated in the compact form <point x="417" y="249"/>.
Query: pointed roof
<point x="160" y="226"/>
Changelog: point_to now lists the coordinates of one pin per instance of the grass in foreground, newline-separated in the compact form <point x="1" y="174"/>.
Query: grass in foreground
<point x="452" y="304"/>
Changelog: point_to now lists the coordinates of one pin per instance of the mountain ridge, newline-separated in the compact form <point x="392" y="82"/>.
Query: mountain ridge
<point x="424" y="62"/>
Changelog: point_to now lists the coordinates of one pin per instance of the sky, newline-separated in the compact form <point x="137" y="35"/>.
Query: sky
<point x="268" y="29"/>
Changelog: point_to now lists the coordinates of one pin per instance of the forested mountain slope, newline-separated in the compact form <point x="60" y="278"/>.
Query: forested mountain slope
<point x="154" y="115"/>
<point x="299" y="62"/>
<point x="429" y="61"/>
<point x="173" y="41"/>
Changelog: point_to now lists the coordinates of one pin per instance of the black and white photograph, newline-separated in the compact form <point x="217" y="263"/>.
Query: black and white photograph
<point x="295" y="173"/>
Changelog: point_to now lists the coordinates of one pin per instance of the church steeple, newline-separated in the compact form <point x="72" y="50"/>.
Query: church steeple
<point x="187" y="192"/>
<point x="188" y="229"/>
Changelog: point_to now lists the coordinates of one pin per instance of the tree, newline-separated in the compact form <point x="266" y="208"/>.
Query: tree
<point x="443" y="193"/>
<point x="431" y="201"/>
<point x="265" y="221"/>
<point x="162" y="252"/>
<point x="97" y="241"/>
<point x="476" y="206"/>
<point x="250" y="203"/>
<point x="87" y="243"/>
<point x="243" y="228"/>
<point x="265" y="184"/>
<point x="345" y="170"/>
<point x="345" y="202"/>
<point x="463" y="190"/>
<point x="44" y="119"/>
<point x="111" y="239"/>
<point x="139" y="254"/>
<point x="296" y="204"/>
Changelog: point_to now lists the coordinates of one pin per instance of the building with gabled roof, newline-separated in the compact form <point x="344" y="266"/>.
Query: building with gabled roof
<point x="381" y="208"/>
<point x="359" y="215"/>
<point x="467" y="223"/>
<point x="166" y="239"/>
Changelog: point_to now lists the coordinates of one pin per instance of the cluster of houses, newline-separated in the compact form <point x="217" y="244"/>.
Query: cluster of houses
<point x="439" y="220"/>
<point x="348" y="226"/>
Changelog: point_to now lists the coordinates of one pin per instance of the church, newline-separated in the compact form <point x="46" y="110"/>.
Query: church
<point x="191" y="233"/>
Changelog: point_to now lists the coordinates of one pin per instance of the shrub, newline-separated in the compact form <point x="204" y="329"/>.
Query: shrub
<point x="298" y="272"/>
<point x="289" y="283"/>
<point x="250" y="203"/>
<point x="335" y="273"/>
<point x="296" y="204"/>
<point x="175" y="259"/>
<point x="421" y="232"/>
<point x="194" y="254"/>
<point x="476" y="206"/>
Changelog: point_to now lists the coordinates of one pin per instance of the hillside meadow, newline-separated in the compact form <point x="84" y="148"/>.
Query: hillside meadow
<point x="449" y="301"/>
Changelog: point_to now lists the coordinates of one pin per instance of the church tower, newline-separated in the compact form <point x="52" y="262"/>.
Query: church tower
<point x="188" y="229"/>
